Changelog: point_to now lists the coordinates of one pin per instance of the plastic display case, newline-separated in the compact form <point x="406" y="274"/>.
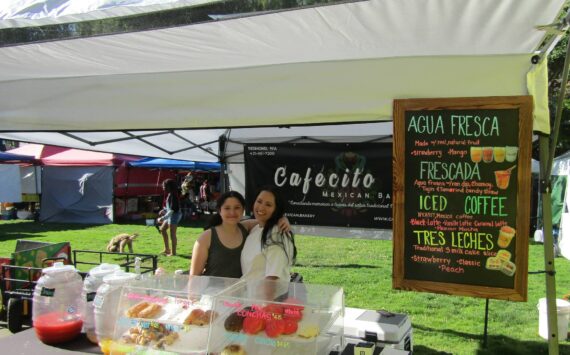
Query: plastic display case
<point x="272" y="317"/>
<point x="218" y="316"/>
<point x="166" y="315"/>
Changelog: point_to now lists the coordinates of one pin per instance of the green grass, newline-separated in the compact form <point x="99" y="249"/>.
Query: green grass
<point x="363" y="268"/>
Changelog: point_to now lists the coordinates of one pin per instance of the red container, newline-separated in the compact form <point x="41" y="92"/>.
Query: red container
<point x="57" y="327"/>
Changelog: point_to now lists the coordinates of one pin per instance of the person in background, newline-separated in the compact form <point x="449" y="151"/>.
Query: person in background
<point x="187" y="197"/>
<point x="204" y="196"/>
<point x="170" y="216"/>
<point x="268" y="252"/>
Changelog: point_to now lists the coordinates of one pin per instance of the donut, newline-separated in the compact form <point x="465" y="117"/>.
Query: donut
<point x="233" y="349"/>
<point x="234" y="323"/>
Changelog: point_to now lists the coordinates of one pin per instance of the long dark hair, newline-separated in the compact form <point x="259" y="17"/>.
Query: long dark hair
<point x="170" y="186"/>
<point x="172" y="198"/>
<point x="280" y="207"/>
<point x="216" y="219"/>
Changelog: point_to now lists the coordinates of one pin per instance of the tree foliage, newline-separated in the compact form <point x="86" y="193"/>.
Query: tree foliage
<point x="556" y="62"/>
<point x="160" y="19"/>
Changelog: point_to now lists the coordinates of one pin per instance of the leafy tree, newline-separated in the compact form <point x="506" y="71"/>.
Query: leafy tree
<point x="555" y="68"/>
<point x="160" y="19"/>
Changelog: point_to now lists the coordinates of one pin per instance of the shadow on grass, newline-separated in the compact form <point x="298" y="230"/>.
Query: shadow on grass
<point x="496" y="344"/>
<point x="184" y="256"/>
<point x="337" y="266"/>
<point x="499" y="344"/>
<point x="422" y="350"/>
<point x="31" y="230"/>
<point x="10" y="230"/>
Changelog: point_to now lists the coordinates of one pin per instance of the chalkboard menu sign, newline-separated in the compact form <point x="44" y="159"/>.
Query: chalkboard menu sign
<point x="462" y="195"/>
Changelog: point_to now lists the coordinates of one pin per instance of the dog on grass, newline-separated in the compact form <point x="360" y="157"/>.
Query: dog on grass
<point x="118" y="243"/>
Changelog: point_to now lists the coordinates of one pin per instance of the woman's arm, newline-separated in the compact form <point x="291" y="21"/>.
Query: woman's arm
<point x="200" y="253"/>
<point x="282" y="223"/>
<point x="249" y="224"/>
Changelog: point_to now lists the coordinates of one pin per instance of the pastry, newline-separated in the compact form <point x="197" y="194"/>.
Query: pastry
<point x="151" y="311"/>
<point x="308" y="331"/>
<point x="233" y="349"/>
<point x="210" y="316"/>
<point x="234" y="322"/>
<point x="252" y="325"/>
<point x="134" y="310"/>
<point x="196" y="317"/>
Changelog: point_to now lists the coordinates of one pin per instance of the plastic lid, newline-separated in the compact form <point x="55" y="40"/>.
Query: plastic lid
<point x="57" y="268"/>
<point x="119" y="277"/>
<point x="562" y="306"/>
<point x="103" y="270"/>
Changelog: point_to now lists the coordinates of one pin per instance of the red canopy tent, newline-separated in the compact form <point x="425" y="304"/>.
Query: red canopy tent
<point x="38" y="151"/>
<point x="76" y="185"/>
<point x="59" y="156"/>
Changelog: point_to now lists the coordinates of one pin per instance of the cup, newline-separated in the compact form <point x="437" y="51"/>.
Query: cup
<point x="502" y="178"/>
<point x="499" y="154"/>
<point x="476" y="154"/>
<point x="511" y="153"/>
<point x="506" y="234"/>
<point x="487" y="154"/>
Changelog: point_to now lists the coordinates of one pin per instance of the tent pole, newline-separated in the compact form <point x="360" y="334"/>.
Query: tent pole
<point x="223" y="166"/>
<point x="550" y="272"/>
<point x="547" y="151"/>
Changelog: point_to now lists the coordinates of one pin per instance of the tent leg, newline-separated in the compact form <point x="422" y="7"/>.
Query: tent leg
<point x="222" y="141"/>
<point x="548" y="251"/>
<point x="485" y="333"/>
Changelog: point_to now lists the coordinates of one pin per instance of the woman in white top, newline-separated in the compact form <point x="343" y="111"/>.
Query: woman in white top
<point x="267" y="252"/>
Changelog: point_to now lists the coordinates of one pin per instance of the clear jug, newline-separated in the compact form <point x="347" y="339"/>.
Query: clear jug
<point x="57" y="304"/>
<point x="92" y="282"/>
<point x="107" y="301"/>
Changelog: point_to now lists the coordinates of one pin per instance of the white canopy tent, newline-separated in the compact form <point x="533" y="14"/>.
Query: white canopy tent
<point x="332" y="64"/>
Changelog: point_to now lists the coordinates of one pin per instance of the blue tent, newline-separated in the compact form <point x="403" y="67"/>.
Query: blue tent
<point x="175" y="164"/>
<point x="8" y="157"/>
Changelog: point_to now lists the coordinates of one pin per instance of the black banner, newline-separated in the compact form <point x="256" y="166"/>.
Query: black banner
<point x="326" y="184"/>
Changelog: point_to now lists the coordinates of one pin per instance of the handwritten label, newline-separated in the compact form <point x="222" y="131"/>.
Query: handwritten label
<point x="455" y="204"/>
<point x="462" y="195"/>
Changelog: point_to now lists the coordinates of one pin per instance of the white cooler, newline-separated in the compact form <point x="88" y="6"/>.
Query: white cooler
<point x="385" y="329"/>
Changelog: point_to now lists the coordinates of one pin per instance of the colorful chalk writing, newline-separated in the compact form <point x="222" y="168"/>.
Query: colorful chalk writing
<point x="459" y="203"/>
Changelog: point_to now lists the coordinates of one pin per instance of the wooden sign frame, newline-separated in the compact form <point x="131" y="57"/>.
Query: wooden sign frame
<point x="524" y="106"/>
